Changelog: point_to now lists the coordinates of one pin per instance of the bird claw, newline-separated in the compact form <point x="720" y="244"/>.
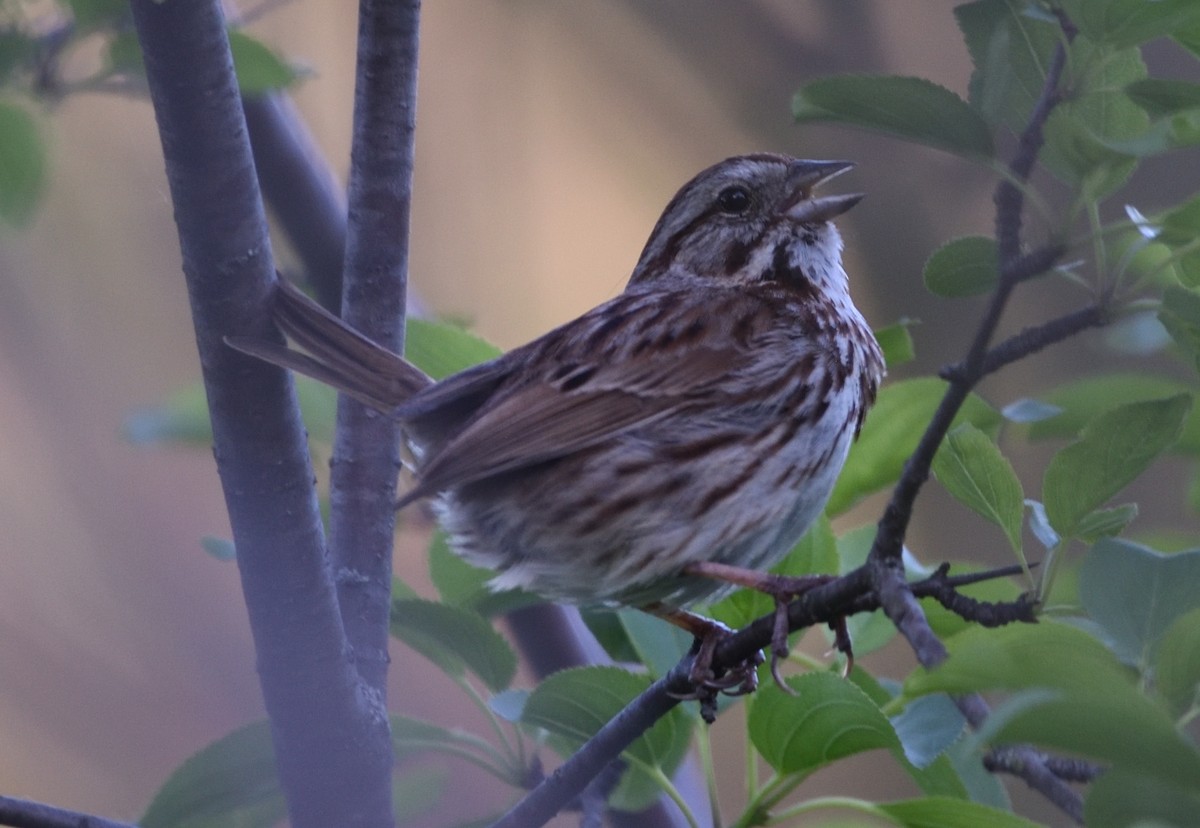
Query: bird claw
<point x="743" y="678"/>
<point x="785" y="589"/>
<point x="738" y="680"/>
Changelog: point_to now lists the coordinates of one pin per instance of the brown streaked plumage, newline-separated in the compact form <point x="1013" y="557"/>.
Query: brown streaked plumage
<point x="701" y="416"/>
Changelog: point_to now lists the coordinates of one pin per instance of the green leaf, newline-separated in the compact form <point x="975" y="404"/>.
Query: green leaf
<point x="454" y="639"/>
<point x="1180" y="315"/>
<point x="509" y="704"/>
<point x="944" y="812"/>
<point x="416" y="790"/>
<point x="233" y="781"/>
<point x="259" y="70"/>
<point x="1122" y="798"/>
<point x="966" y="266"/>
<point x="927" y="727"/>
<point x="938" y="778"/>
<point x="1088" y="135"/>
<point x="413" y="737"/>
<point x="1085" y="134"/>
<point x="124" y="54"/>
<point x="1105" y="523"/>
<point x="1161" y="97"/>
<point x="1123" y="23"/>
<point x="183" y="417"/>
<point x="1020" y="656"/>
<point x="983" y="787"/>
<point x="1027" y="410"/>
<point x="896" y="343"/>
<point x="16" y="49"/>
<point x="910" y="108"/>
<point x="828" y="719"/>
<point x="1112" y="450"/>
<point x="1139" y="259"/>
<point x="658" y="644"/>
<point x="575" y="703"/>
<point x="974" y="471"/>
<point x="95" y="14"/>
<point x="891" y="433"/>
<point x="441" y="349"/>
<point x="1082" y="400"/>
<point x="461" y="584"/>
<point x="1181" y="225"/>
<point x="22" y="165"/>
<point x="1177" y="664"/>
<point x="220" y="548"/>
<point x="987" y="38"/>
<point x="606" y="628"/>
<point x="1188" y="37"/>
<point x="1011" y="50"/>
<point x="1134" y="620"/>
<point x="1120" y="728"/>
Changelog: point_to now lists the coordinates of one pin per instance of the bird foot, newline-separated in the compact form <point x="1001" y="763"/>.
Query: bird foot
<point x="783" y="589"/>
<point x="706" y="683"/>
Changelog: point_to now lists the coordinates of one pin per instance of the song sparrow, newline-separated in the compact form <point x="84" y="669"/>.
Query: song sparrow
<point x="651" y="451"/>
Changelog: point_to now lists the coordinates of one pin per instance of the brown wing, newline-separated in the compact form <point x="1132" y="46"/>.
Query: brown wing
<point x="573" y="403"/>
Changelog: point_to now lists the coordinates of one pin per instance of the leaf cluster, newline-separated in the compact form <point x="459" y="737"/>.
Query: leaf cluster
<point x="37" y="40"/>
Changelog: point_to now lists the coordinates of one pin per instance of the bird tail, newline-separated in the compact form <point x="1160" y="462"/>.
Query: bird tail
<point x="334" y="353"/>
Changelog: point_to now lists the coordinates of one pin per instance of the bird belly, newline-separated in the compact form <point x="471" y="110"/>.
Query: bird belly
<point x="635" y="518"/>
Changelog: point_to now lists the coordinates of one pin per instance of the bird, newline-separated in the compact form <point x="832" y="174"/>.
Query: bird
<point x="666" y="446"/>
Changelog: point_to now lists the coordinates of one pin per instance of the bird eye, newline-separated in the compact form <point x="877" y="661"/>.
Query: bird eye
<point x="734" y="200"/>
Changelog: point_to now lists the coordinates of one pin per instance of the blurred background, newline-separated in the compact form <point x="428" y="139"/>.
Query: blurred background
<point x="550" y="136"/>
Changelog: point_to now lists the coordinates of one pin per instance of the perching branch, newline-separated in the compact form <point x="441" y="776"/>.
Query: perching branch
<point x="330" y="737"/>
<point x="839" y="597"/>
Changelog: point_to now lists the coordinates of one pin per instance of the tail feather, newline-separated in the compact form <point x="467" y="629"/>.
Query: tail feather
<point x="336" y="354"/>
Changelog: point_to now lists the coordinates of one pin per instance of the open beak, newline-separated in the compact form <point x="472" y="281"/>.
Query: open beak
<point x="806" y="176"/>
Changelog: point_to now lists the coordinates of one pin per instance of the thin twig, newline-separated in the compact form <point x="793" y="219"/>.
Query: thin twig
<point x="1013" y="760"/>
<point x="895" y="595"/>
<point x="1031" y="340"/>
<point x="1045" y="775"/>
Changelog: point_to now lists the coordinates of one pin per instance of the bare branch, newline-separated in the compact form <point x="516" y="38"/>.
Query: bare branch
<point x="330" y="736"/>
<point x="366" y="448"/>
